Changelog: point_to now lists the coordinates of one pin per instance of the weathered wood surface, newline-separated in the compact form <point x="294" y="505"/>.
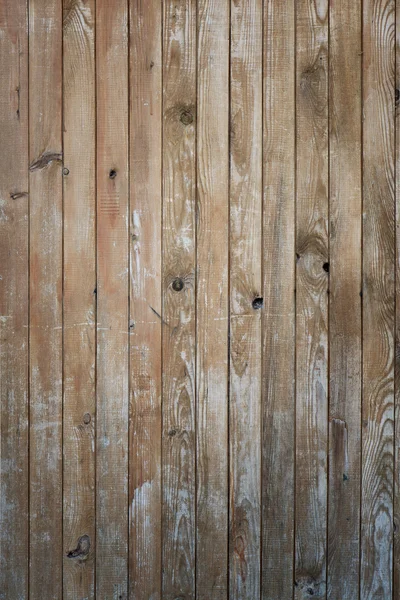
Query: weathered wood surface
<point x="179" y="300"/>
<point x="145" y="307"/>
<point x="312" y="279"/>
<point x="376" y="572"/>
<point x="79" y="118"/>
<point x="45" y="298"/>
<point x="245" y="298"/>
<point x="199" y="313"/>
<point x="112" y="291"/>
<point x="278" y="314"/>
<point x="14" y="300"/>
<point x="345" y="302"/>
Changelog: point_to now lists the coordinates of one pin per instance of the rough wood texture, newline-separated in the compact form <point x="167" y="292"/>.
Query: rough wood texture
<point x="378" y="299"/>
<point x="112" y="300"/>
<point x="199" y="313"/>
<point x="278" y="320"/>
<point x="79" y="298"/>
<point x="311" y="298"/>
<point x="212" y="237"/>
<point x="345" y="301"/>
<point x="145" y="310"/>
<point x="14" y="300"/>
<point x="45" y="308"/>
<point x="396" y="505"/>
<point x="179" y="295"/>
<point x="246" y="300"/>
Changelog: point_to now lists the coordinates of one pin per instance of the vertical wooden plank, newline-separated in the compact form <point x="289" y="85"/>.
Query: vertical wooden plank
<point x="112" y="299"/>
<point x="396" y="506"/>
<point x="378" y="298"/>
<point x="311" y="297"/>
<point x="45" y="182"/>
<point x="212" y="298"/>
<point x="246" y="301"/>
<point x="145" y="310"/>
<point x="345" y="303"/>
<point x="178" y="344"/>
<point x="79" y="298"/>
<point x="14" y="299"/>
<point x="278" y="326"/>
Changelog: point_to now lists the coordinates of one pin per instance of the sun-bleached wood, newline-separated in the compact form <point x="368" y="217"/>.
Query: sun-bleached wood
<point x="179" y="297"/>
<point x="145" y="308"/>
<point x="246" y="79"/>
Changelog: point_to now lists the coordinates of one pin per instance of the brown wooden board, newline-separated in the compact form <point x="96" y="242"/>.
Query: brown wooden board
<point x="14" y="299"/>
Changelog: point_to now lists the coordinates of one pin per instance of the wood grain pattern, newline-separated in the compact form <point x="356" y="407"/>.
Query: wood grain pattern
<point x="311" y="298"/>
<point x="278" y="320"/>
<point x="14" y="300"/>
<point x="378" y="299"/>
<point x="212" y="239"/>
<point x="179" y="289"/>
<point x="199" y="313"/>
<point x="112" y="300"/>
<point x="245" y="298"/>
<point x="46" y="322"/>
<point x="145" y="310"/>
<point x="396" y="502"/>
<point x="345" y="206"/>
<point x="79" y="298"/>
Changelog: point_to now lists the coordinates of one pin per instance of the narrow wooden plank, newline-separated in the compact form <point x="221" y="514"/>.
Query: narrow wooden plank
<point x="14" y="307"/>
<point x="79" y="298"/>
<point x="212" y="300"/>
<point x="45" y="183"/>
<point x="178" y="344"/>
<point x="311" y="298"/>
<point x="378" y="298"/>
<point x="396" y="505"/>
<point x="112" y="300"/>
<point x="278" y="322"/>
<point x="145" y="310"/>
<point x="245" y="297"/>
<point x="345" y="22"/>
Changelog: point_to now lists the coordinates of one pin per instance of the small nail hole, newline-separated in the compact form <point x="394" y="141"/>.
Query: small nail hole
<point x="113" y="174"/>
<point x="177" y="284"/>
<point x="325" y="267"/>
<point x="87" y="418"/>
<point x="257" y="303"/>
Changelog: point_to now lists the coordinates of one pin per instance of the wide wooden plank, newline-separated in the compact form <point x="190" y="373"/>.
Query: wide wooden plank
<point x="245" y="297"/>
<point x="45" y="183"/>
<point x="112" y="300"/>
<point x="378" y="298"/>
<point x="79" y="298"/>
<point x="278" y="321"/>
<point x="212" y="239"/>
<point x="344" y="300"/>
<point x="14" y="299"/>
<point x="145" y="310"/>
<point x="179" y="288"/>
<point x="311" y="297"/>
